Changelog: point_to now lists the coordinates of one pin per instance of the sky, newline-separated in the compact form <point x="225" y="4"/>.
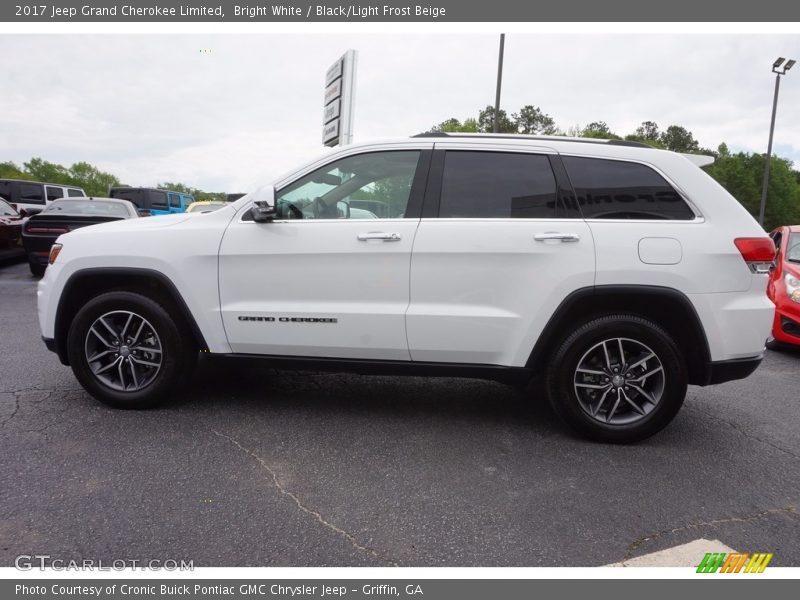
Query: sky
<point x="248" y="107"/>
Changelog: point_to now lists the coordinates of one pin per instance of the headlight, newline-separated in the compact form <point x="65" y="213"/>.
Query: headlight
<point x="56" y="248"/>
<point x="792" y="287"/>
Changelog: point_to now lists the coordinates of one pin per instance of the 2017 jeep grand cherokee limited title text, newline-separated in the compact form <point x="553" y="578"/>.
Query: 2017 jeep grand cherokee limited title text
<point x="616" y="272"/>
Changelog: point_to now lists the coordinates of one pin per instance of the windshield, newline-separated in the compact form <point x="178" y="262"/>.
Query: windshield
<point x="793" y="248"/>
<point x="6" y="210"/>
<point x="88" y="207"/>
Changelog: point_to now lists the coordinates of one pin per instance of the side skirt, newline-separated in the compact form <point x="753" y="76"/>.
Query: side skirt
<point x="508" y="375"/>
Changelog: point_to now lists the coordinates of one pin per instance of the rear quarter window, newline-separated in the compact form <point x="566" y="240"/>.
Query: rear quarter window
<point x="615" y="189"/>
<point x="54" y="193"/>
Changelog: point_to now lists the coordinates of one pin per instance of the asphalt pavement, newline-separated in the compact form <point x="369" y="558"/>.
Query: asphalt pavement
<point x="256" y="467"/>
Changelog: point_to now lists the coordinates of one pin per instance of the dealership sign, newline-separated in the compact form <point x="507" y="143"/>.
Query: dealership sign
<point x="337" y="112"/>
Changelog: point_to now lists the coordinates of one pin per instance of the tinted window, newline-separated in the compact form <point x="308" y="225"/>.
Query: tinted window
<point x="174" y="200"/>
<point x="133" y="195"/>
<point x="365" y="186"/>
<point x="54" y="193"/>
<point x="614" y="189"/>
<point x="30" y="193"/>
<point x="5" y="190"/>
<point x="158" y="199"/>
<point x="793" y="248"/>
<point x="73" y="193"/>
<point x="497" y="185"/>
<point x="88" y="207"/>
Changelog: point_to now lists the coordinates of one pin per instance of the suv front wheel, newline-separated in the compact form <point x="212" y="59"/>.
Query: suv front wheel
<point x="128" y="351"/>
<point x="618" y="378"/>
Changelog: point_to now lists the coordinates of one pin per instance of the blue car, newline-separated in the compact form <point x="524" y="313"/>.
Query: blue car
<point x="151" y="201"/>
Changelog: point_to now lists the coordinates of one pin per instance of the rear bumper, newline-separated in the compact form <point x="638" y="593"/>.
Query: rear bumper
<point x="730" y="370"/>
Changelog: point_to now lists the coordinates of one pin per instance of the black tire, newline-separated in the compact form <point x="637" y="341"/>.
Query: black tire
<point x="568" y="388"/>
<point x="178" y="350"/>
<point x="37" y="270"/>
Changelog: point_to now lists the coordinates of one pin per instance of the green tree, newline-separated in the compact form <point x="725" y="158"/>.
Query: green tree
<point x="453" y="125"/>
<point x="648" y="130"/>
<point x="486" y="120"/>
<point x="42" y="170"/>
<point x="599" y="129"/>
<point x="94" y="181"/>
<point x="9" y="170"/>
<point x="679" y="139"/>
<point x="531" y="120"/>
<point x="741" y="174"/>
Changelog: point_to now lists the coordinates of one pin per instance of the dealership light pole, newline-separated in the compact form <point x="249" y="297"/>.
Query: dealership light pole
<point x="496" y="126"/>
<point x="779" y="67"/>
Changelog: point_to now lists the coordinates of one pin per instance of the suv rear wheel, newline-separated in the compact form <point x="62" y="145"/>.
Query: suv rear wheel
<point x="128" y="351"/>
<point x="618" y="378"/>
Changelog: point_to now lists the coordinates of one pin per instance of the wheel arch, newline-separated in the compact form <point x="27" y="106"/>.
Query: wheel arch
<point x="667" y="307"/>
<point x="88" y="283"/>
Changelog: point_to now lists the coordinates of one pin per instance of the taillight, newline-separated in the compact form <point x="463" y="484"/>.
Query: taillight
<point x="758" y="253"/>
<point x="38" y="230"/>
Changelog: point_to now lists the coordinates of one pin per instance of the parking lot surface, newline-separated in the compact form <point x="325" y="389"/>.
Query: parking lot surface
<point x="255" y="467"/>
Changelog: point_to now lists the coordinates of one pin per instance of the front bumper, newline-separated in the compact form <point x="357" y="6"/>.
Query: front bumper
<point x="786" y="326"/>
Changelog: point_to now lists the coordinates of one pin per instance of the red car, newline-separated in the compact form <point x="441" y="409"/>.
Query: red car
<point x="10" y="226"/>
<point x="784" y="285"/>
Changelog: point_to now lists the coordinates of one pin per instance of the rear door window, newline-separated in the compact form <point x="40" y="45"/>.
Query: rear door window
<point x="174" y="200"/>
<point x="497" y="185"/>
<point x="31" y="193"/>
<point x="615" y="189"/>
<point x="75" y="193"/>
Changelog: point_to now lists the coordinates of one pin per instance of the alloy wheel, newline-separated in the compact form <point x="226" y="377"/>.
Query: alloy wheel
<point x="123" y="351"/>
<point x="619" y="381"/>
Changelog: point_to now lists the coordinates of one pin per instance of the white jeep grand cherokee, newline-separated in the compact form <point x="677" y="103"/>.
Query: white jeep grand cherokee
<point x="617" y="272"/>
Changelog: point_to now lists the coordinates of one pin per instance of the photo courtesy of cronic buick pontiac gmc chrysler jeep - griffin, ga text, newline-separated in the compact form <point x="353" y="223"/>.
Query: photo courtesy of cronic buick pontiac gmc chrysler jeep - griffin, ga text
<point x="614" y="273"/>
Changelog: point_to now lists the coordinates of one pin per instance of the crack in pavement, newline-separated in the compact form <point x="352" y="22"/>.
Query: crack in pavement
<point x="13" y="412"/>
<point x="16" y="395"/>
<point x="744" y="432"/>
<point x="349" y="537"/>
<point x="634" y="545"/>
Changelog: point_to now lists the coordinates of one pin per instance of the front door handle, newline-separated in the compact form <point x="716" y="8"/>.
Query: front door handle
<point x="379" y="235"/>
<point x="555" y="235"/>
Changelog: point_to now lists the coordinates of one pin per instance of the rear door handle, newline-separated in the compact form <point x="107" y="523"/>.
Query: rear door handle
<point x="555" y="235"/>
<point x="379" y="235"/>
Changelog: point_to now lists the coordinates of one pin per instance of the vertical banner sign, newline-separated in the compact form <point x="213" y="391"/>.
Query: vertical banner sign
<point x="337" y="112"/>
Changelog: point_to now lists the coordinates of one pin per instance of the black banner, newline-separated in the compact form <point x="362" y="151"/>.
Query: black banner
<point x="175" y="11"/>
<point x="406" y="589"/>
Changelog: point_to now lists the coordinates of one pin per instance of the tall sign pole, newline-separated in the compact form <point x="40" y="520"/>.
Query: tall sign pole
<point x="339" y="101"/>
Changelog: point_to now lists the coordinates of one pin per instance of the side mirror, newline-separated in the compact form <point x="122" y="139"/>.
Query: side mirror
<point x="263" y="212"/>
<point x="264" y="209"/>
<point x="343" y="208"/>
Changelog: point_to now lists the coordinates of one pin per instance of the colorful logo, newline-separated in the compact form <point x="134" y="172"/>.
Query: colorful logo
<point x="719" y="562"/>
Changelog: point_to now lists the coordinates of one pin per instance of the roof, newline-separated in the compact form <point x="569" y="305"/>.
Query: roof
<point x="66" y="185"/>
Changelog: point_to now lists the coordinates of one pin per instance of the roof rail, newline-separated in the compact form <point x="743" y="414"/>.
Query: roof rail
<point x="547" y="138"/>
